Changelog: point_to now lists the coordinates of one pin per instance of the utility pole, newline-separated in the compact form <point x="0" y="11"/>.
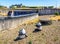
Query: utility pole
<point x="56" y="6"/>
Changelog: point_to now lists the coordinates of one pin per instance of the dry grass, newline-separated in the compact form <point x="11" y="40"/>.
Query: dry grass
<point x="49" y="35"/>
<point x="55" y="18"/>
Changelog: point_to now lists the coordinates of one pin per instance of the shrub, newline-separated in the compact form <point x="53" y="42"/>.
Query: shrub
<point x="56" y="13"/>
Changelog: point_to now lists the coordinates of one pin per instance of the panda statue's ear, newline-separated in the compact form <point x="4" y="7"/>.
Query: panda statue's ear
<point x="23" y="31"/>
<point x="39" y="23"/>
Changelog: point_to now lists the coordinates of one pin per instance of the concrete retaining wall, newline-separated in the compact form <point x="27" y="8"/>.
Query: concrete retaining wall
<point x="15" y="22"/>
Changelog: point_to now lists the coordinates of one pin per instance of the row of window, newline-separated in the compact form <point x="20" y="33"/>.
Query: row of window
<point x="22" y="12"/>
<point x="16" y="13"/>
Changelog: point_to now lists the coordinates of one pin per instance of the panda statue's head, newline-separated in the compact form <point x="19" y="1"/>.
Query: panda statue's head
<point x="22" y="31"/>
<point x="38" y="24"/>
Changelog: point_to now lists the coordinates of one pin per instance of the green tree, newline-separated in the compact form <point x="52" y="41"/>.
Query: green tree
<point x="51" y="7"/>
<point x="3" y="6"/>
<point x="33" y="7"/>
<point x="24" y="6"/>
<point x="0" y="6"/>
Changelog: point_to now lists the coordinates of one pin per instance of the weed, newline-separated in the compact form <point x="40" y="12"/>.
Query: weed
<point x="42" y="33"/>
<point x="56" y="38"/>
<point x="30" y="42"/>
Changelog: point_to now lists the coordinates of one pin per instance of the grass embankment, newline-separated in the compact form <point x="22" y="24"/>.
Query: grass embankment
<point x="32" y="21"/>
<point x="49" y="35"/>
<point x="7" y="36"/>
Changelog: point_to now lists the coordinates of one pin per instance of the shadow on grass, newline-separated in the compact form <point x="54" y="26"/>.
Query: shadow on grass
<point x="36" y="30"/>
<point x="18" y="38"/>
<point x="45" y="24"/>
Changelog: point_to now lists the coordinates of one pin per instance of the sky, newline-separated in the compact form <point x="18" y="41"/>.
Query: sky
<point x="31" y="2"/>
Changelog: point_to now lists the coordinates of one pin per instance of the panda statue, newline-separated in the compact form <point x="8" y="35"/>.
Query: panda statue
<point x="22" y="33"/>
<point x="39" y="26"/>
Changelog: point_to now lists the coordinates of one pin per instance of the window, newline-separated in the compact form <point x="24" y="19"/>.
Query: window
<point x="9" y="13"/>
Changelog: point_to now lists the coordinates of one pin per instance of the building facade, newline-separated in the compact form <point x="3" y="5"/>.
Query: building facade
<point x="48" y="11"/>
